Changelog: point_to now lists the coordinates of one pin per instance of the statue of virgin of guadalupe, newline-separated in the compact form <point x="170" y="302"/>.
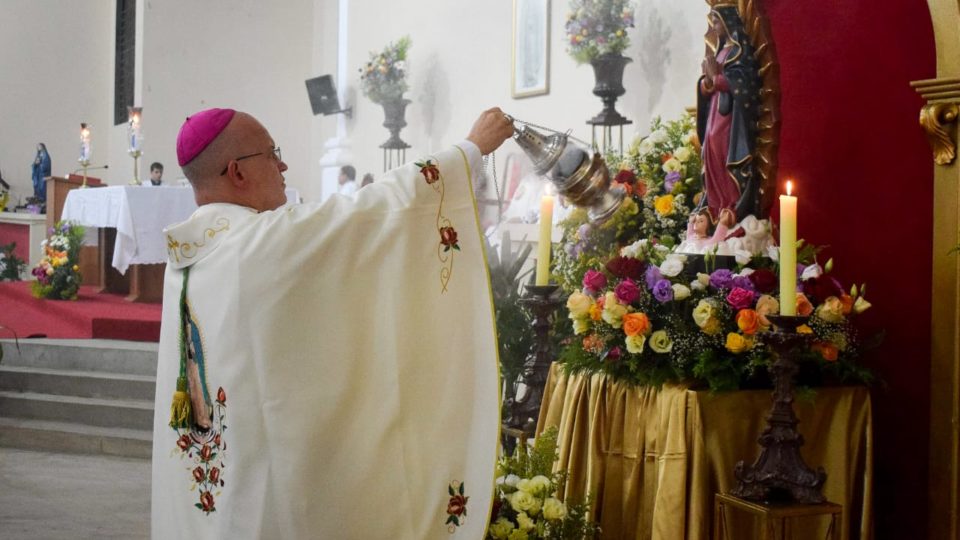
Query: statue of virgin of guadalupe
<point x="41" y="170"/>
<point x="728" y="103"/>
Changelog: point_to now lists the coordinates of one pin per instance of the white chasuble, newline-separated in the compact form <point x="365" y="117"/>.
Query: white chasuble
<point x="341" y="364"/>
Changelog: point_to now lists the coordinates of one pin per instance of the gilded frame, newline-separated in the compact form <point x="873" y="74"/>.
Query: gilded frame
<point x="530" y="51"/>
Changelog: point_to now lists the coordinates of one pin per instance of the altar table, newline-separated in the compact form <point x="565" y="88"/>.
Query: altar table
<point x="652" y="459"/>
<point x="139" y="213"/>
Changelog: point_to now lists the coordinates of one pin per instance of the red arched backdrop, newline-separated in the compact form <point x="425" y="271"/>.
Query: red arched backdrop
<point x="864" y="172"/>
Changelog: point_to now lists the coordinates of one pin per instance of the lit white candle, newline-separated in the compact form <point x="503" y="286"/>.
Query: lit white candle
<point x="543" y="248"/>
<point x="788" y="252"/>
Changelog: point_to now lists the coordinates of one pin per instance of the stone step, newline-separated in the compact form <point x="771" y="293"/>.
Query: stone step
<point x="74" y="438"/>
<point x="76" y="383"/>
<point x="119" y="413"/>
<point x="111" y="356"/>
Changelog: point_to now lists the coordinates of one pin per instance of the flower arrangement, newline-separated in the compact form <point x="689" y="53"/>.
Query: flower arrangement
<point x="384" y="77"/>
<point x="648" y="318"/>
<point x="528" y="503"/>
<point x="661" y="175"/>
<point x="10" y="264"/>
<point x="58" y="273"/>
<point x="598" y="27"/>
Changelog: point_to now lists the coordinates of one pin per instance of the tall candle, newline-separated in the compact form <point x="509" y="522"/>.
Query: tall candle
<point x="134" y="128"/>
<point x="543" y="248"/>
<point x="788" y="253"/>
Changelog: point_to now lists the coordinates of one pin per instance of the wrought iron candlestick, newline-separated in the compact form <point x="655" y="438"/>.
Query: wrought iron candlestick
<point x="780" y="474"/>
<point x="526" y="393"/>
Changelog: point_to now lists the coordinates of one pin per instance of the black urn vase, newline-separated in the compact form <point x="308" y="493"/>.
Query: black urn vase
<point x="608" y="71"/>
<point x="394" y="111"/>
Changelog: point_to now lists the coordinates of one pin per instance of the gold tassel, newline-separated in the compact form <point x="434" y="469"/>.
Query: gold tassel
<point x="180" y="409"/>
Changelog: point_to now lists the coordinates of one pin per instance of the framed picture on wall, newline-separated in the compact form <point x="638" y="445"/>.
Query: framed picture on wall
<point x="531" y="48"/>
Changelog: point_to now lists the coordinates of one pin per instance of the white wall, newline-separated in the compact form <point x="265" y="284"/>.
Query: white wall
<point x="461" y="59"/>
<point x="56" y="74"/>
<point x="242" y="54"/>
<point x="254" y="56"/>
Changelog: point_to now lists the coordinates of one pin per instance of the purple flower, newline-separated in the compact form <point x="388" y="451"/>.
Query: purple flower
<point x="627" y="291"/>
<point x="663" y="291"/>
<point x="670" y="181"/>
<point x="652" y="276"/>
<point x="744" y="283"/>
<point x="740" y="298"/>
<point x="594" y="281"/>
<point x="613" y="354"/>
<point x="721" y="279"/>
<point x="584" y="231"/>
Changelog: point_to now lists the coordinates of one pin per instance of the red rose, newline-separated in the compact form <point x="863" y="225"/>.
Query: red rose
<point x="625" y="176"/>
<point x="206" y="452"/>
<point x="430" y="172"/>
<point x="198" y="474"/>
<point x="206" y="502"/>
<point x="184" y="442"/>
<point x="821" y="288"/>
<point x="216" y="439"/>
<point x="626" y="268"/>
<point x="214" y="474"/>
<point x="448" y="236"/>
<point x="765" y="281"/>
<point x="457" y="505"/>
<point x="221" y="396"/>
<point x="640" y="189"/>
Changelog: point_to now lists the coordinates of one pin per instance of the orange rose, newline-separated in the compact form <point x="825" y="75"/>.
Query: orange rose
<point x="748" y="321"/>
<point x="827" y="350"/>
<point x="596" y="309"/>
<point x="635" y="324"/>
<point x="804" y="307"/>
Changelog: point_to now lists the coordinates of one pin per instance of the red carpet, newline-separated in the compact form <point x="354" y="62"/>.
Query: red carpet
<point x="91" y="316"/>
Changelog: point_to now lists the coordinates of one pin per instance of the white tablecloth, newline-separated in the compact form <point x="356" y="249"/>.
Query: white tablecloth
<point x="139" y="213"/>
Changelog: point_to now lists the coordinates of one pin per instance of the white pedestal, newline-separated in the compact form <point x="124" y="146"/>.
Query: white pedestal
<point x="36" y="225"/>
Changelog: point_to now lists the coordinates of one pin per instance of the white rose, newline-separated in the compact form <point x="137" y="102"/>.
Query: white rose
<point x="501" y="528"/>
<point x="659" y="136"/>
<point x="645" y="146"/>
<point x="613" y="311"/>
<point x="742" y="256"/>
<point x="660" y="342"/>
<point x="672" y="165"/>
<point x="634" y="249"/>
<point x="554" y="509"/>
<point x="773" y="252"/>
<point x="512" y="480"/>
<point x="579" y="305"/>
<point x="704" y="279"/>
<point x="680" y="292"/>
<point x="540" y="485"/>
<point x="683" y="154"/>
<point x="580" y="326"/>
<point x="746" y="272"/>
<point x="697" y="286"/>
<point x="671" y="267"/>
<point x="811" y="272"/>
<point x="635" y="343"/>
<point x="690" y="136"/>
<point x="521" y="501"/>
<point x="524" y="522"/>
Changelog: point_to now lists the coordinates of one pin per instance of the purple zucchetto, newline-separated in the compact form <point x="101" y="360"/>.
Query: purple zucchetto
<point x="199" y="130"/>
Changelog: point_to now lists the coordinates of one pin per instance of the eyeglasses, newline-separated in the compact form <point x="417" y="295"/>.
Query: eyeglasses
<point x="275" y="151"/>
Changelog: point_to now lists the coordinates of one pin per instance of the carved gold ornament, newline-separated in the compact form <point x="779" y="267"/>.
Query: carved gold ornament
<point x="935" y="118"/>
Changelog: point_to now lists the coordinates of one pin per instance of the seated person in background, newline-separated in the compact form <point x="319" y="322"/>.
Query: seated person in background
<point x="347" y="184"/>
<point x="367" y="180"/>
<point x="156" y="173"/>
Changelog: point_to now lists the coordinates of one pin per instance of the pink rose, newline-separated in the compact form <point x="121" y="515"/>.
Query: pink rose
<point x="627" y="292"/>
<point x="740" y="298"/>
<point x="594" y="281"/>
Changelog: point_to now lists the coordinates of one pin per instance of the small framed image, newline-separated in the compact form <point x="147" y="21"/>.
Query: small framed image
<point x="531" y="48"/>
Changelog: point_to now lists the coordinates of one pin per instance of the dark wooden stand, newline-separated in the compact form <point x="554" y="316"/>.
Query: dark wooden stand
<point x="774" y="516"/>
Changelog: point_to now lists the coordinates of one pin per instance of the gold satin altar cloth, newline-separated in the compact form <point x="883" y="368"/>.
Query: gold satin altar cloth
<point x="652" y="459"/>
